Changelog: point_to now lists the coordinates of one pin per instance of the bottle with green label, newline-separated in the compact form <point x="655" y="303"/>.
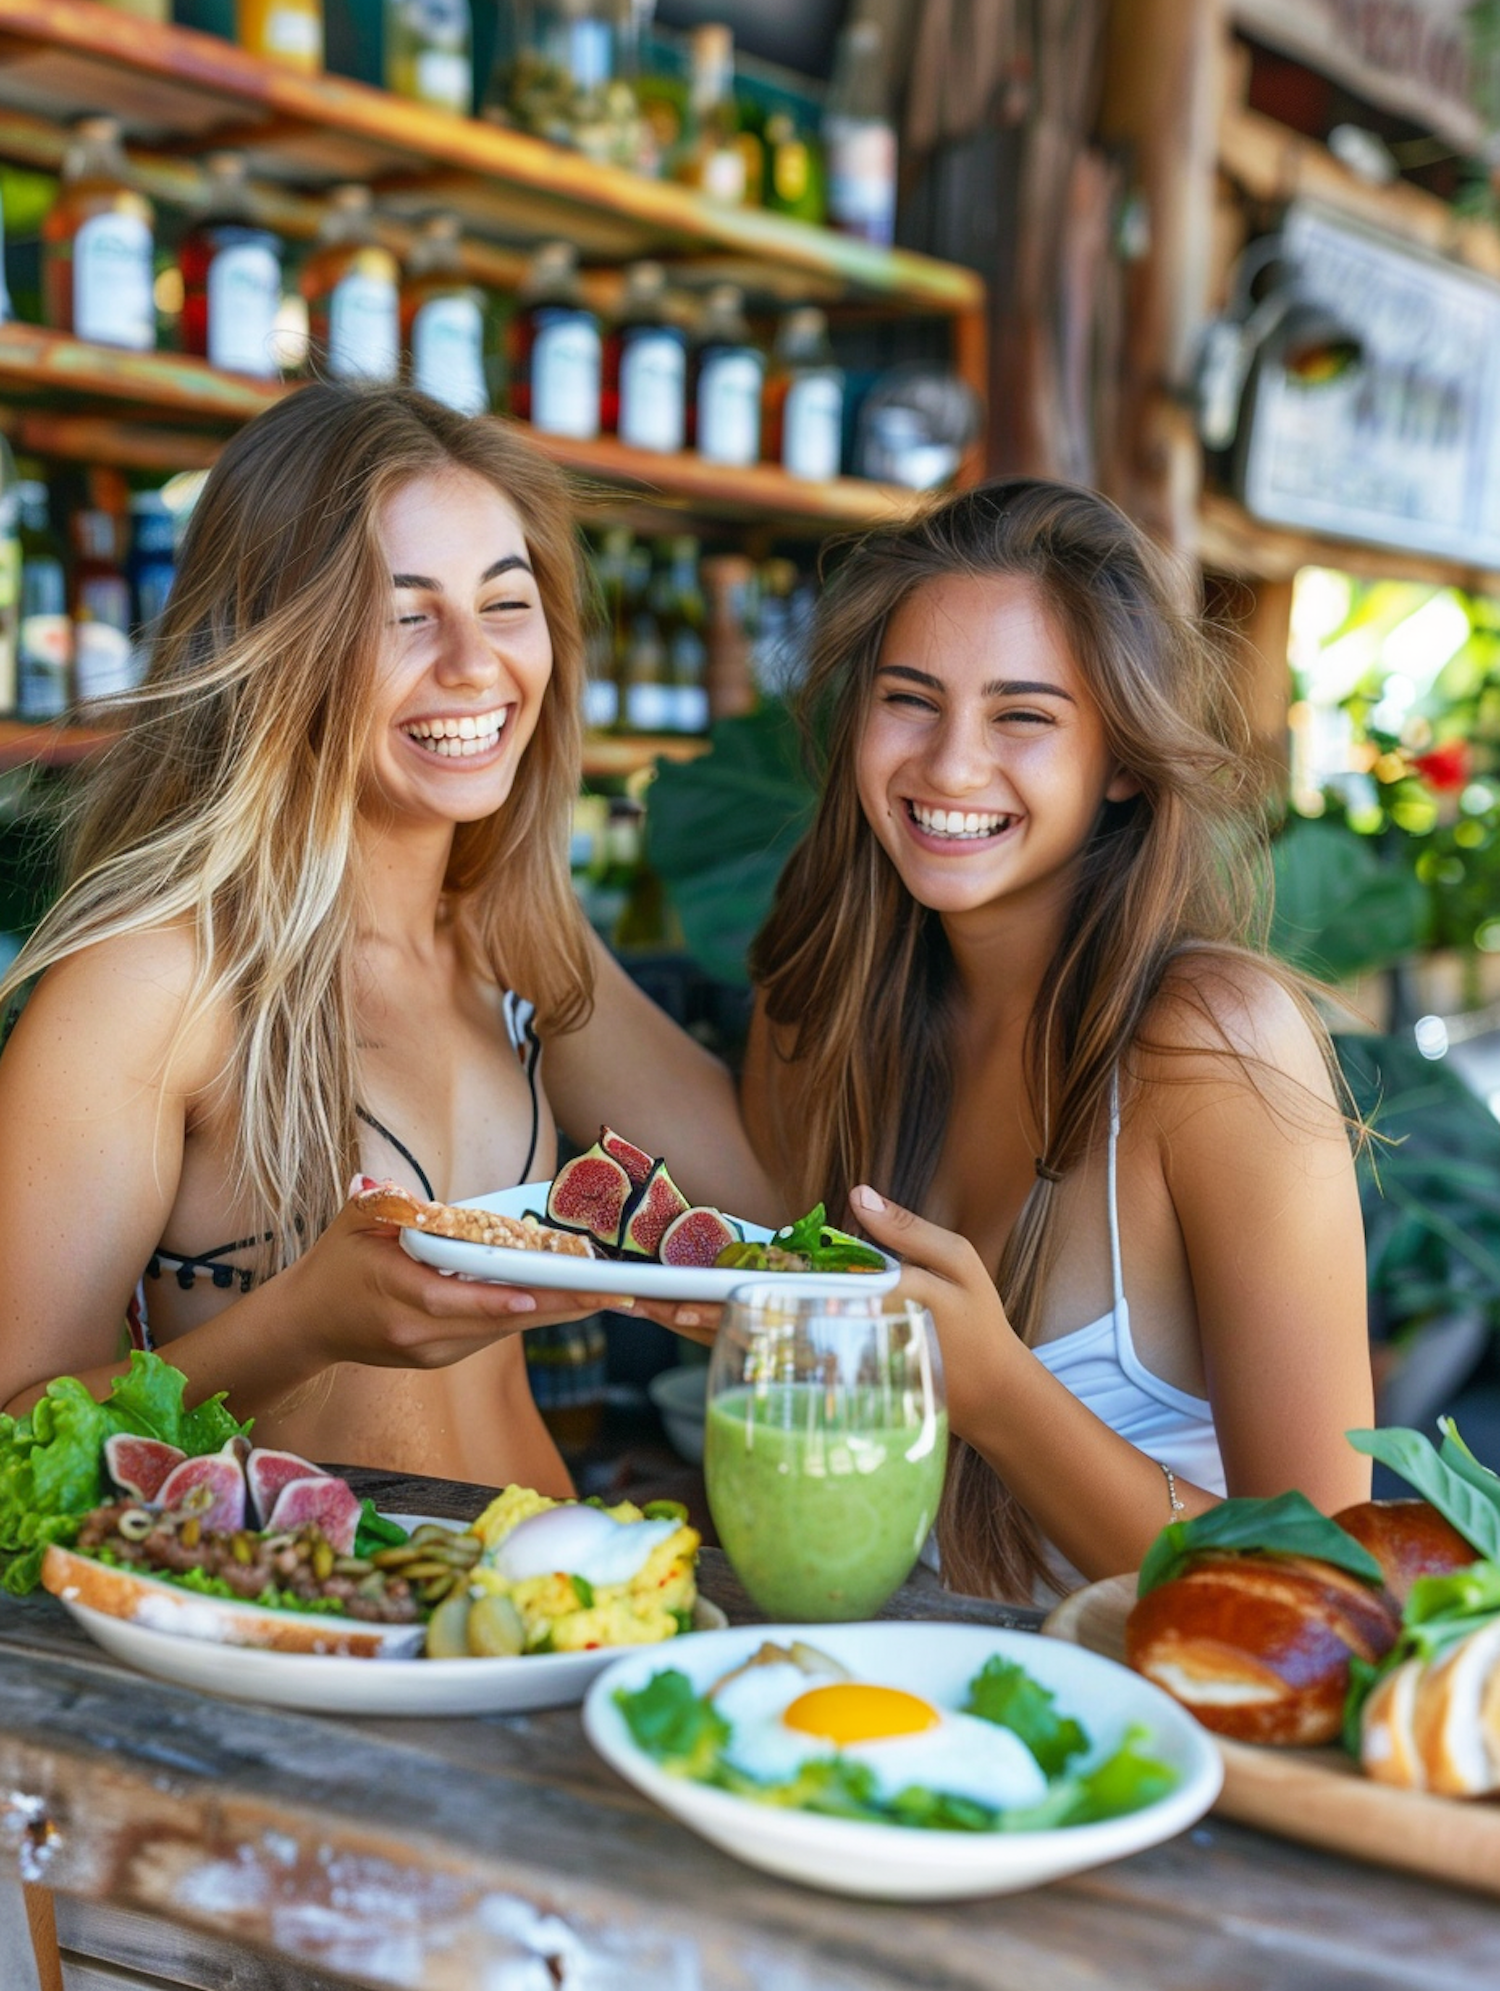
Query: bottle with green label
<point x="352" y="285"/>
<point x="427" y="53"/>
<point x="44" y="636"/>
<point x="442" y="320"/>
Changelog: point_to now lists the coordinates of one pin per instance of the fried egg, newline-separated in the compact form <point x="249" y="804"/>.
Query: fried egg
<point x="578" y="1541"/>
<point x="781" y="1717"/>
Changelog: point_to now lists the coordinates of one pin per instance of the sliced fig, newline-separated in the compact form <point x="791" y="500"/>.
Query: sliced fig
<point x="697" y="1237"/>
<point x="268" y="1472"/>
<point x="212" y="1487"/>
<point x="655" y="1205"/>
<point x="319" y="1501"/>
<point x="589" y="1195"/>
<point x="635" y="1161"/>
<point x="139" y="1465"/>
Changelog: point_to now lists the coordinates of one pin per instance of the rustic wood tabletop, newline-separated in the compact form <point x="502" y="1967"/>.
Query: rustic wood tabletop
<point x="187" y="1840"/>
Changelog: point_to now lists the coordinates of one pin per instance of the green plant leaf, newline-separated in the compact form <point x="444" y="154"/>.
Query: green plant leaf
<point x="1341" y="906"/>
<point x="1470" y="1506"/>
<point x="1005" y="1694"/>
<point x="1289" y="1524"/>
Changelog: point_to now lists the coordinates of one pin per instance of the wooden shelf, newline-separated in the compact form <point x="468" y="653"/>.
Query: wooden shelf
<point x="1275" y="164"/>
<point x="73" y="375"/>
<point x="605" y="757"/>
<point x="1232" y="542"/>
<point x="173" y="86"/>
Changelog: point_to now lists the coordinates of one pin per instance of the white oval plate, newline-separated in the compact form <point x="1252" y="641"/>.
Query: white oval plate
<point x="329" y="1684"/>
<point x="898" y="1863"/>
<point x="633" y="1278"/>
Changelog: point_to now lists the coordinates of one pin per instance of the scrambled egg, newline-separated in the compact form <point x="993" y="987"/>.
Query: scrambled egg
<point x="565" y="1611"/>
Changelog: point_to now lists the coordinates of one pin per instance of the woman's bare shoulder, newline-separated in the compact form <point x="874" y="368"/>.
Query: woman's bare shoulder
<point x="131" y="998"/>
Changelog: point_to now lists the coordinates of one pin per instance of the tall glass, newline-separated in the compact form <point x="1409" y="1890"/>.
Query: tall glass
<point x="826" y="1440"/>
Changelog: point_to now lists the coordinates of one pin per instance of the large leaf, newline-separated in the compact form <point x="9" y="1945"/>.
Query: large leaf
<point x="720" y="829"/>
<point x="1341" y="906"/>
<point x="1285" y="1524"/>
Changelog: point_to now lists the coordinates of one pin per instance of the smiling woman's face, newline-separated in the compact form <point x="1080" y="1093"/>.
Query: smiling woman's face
<point x="983" y="762"/>
<point x="467" y="654"/>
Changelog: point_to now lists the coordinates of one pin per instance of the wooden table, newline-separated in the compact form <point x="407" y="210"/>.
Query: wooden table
<point x="224" y="1846"/>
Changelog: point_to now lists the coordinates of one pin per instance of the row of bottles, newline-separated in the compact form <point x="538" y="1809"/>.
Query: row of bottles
<point x="583" y="73"/>
<point x="685" y="637"/>
<point x="79" y="594"/>
<point x="652" y="376"/>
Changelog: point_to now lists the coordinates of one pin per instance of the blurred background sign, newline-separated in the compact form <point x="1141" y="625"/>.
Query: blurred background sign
<point x="1410" y="56"/>
<point x="1402" y="448"/>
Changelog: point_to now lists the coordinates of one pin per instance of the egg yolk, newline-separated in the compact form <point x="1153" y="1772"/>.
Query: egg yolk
<point x="849" y="1712"/>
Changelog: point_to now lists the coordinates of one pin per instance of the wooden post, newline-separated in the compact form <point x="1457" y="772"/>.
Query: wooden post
<point x="1161" y="106"/>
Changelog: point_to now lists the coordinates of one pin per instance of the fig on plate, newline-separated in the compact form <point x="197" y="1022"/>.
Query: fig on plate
<point x="635" y="1161"/>
<point x="656" y="1204"/>
<point x="590" y="1195"/>
<point x="212" y="1487"/>
<point x="697" y="1237"/>
<point x="268" y="1471"/>
<point x="139" y="1465"/>
<point x="322" y="1502"/>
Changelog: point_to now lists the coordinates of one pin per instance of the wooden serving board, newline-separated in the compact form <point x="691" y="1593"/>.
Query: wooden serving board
<point x="1316" y="1795"/>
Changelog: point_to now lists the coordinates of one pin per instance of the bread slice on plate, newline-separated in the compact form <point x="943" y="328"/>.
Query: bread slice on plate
<point x="168" y="1607"/>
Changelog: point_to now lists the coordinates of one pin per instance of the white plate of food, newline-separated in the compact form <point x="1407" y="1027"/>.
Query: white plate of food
<point x="388" y="1677"/>
<point x="634" y="1278"/>
<point x="933" y="1665"/>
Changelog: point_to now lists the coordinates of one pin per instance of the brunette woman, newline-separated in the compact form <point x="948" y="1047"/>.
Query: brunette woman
<point x="1013" y="1010"/>
<point x="318" y="920"/>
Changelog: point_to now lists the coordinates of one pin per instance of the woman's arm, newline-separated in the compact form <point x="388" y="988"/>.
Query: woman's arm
<point x="631" y="1068"/>
<point x="1262" y="1187"/>
<point x="96" y="1127"/>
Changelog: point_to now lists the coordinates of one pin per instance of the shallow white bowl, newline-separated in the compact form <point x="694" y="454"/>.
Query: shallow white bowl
<point x="897" y="1863"/>
<point x="681" y="1395"/>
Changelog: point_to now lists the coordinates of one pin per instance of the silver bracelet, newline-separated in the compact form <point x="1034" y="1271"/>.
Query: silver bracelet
<point x="1171" y="1477"/>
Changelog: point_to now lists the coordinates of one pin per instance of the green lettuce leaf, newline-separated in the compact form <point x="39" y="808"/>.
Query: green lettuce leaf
<point x="1006" y="1695"/>
<point x="675" y="1727"/>
<point x="1457" y="1490"/>
<point x="374" y="1530"/>
<point x="52" y="1459"/>
<point x="1289" y="1524"/>
<point x="1124" y="1782"/>
<point x="1440" y="1611"/>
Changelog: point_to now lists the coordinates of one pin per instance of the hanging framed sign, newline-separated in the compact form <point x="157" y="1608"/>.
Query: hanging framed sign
<point x="1403" y="449"/>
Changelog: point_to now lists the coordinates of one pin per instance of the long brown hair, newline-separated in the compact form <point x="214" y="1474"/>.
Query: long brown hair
<point x="857" y="976"/>
<point x="229" y="802"/>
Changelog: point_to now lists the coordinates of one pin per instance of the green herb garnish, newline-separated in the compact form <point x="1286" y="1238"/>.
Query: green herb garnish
<point x="1007" y="1695"/>
<point x="1287" y="1525"/>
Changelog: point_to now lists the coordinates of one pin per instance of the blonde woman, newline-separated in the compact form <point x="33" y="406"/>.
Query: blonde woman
<point x="1012" y="1009"/>
<point x="317" y="921"/>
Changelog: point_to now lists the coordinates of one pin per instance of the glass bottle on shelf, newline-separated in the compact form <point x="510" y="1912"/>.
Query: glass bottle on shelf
<point x="646" y="695"/>
<point x="442" y="320"/>
<point x="10" y="575"/>
<point x="728" y="380"/>
<point x="427" y="53"/>
<point x="231" y="277"/>
<point x="601" y="694"/>
<point x="804" y="398"/>
<point x="101" y="609"/>
<point x="644" y="390"/>
<point x="794" y="170"/>
<point x="563" y="70"/>
<point x="288" y="31"/>
<point x="351" y="283"/>
<point x="555" y="348"/>
<point x="97" y="245"/>
<point x="150" y="568"/>
<point x="859" y="139"/>
<point x="681" y="618"/>
<point x="44" y="636"/>
<point x="709" y="156"/>
<point x="729" y="591"/>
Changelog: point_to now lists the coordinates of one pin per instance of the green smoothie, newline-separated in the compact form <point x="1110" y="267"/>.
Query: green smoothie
<point x="821" y="1522"/>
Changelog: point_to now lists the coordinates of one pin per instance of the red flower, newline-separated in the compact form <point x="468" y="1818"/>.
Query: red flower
<point x="1446" y="769"/>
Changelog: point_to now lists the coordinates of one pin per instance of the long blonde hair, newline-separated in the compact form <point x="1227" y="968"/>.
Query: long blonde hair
<point x="229" y="801"/>
<point x="857" y="975"/>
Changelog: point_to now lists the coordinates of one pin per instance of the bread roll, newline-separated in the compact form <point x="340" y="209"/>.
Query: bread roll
<point x="1408" y="1538"/>
<point x="1258" y="1647"/>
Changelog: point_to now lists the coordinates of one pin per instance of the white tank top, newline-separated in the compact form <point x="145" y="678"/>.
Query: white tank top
<point x="1100" y="1366"/>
